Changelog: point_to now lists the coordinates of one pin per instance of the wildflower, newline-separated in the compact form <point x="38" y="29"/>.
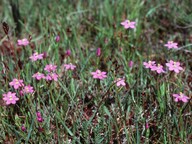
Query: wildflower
<point x="131" y="64"/>
<point x="39" y="117"/>
<point x="128" y="24"/>
<point x="23" y="128"/>
<point x="98" y="52"/>
<point x="158" y="68"/>
<point x="23" y="42"/>
<point x="38" y="76"/>
<point x="68" y="52"/>
<point x="28" y="89"/>
<point x="174" y="66"/>
<point x="147" y="125"/>
<point x="171" y="44"/>
<point x="48" y="77"/>
<point x="57" y="38"/>
<point x="150" y="64"/>
<point x="69" y="66"/>
<point x="10" y="98"/>
<point x="50" y="68"/>
<point x="54" y="76"/>
<point x="120" y="82"/>
<point x="99" y="74"/>
<point x="180" y="97"/>
<point x="36" y="56"/>
<point x="16" y="83"/>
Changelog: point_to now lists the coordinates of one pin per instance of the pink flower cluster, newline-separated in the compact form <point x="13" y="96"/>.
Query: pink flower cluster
<point x="11" y="98"/>
<point x="172" y="66"/>
<point x="50" y="68"/>
<point x="128" y="24"/>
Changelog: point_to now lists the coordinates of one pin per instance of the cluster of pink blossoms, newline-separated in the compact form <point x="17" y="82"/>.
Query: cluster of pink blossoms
<point x="50" y="68"/>
<point x="128" y="24"/>
<point x="151" y="65"/>
<point x="173" y="66"/>
<point x="11" y="98"/>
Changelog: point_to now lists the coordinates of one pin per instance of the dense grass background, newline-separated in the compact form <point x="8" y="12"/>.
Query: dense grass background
<point x="80" y="109"/>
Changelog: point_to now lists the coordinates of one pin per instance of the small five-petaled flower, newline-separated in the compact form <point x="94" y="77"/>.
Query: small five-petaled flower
<point x="171" y="44"/>
<point x="28" y="89"/>
<point x="16" y="83"/>
<point x="99" y="74"/>
<point x="36" y="57"/>
<point x="128" y="24"/>
<point x="174" y="66"/>
<point x="180" y="97"/>
<point x="10" y="98"/>
<point x="38" y="76"/>
<point x="120" y="82"/>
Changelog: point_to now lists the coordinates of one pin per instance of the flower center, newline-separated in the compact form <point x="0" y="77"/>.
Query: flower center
<point x="10" y="98"/>
<point x="181" y="94"/>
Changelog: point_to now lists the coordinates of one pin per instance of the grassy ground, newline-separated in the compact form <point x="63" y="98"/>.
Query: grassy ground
<point x="78" y="108"/>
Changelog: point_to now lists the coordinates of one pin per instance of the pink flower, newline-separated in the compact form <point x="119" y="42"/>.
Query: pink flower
<point x="131" y="64"/>
<point x="120" y="82"/>
<point x="69" y="66"/>
<point x="23" y="128"/>
<point x="174" y="66"/>
<point x="150" y="64"/>
<point x="128" y="24"/>
<point x="171" y="44"/>
<point x="28" y="89"/>
<point x="10" y="98"/>
<point x="39" y="117"/>
<point x="180" y="97"/>
<point x="57" y="38"/>
<point x="36" y="56"/>
<point x="50" y="68"/>
<point x="38" y="76"/>
<point x="52" y="76"/>
<point x="158" y="68"/>
<point x="147" y="125"/>
<point x="23" y="42"/>
<point x="98" y="52"/>
<point x="68" y="52"/>
<point x="99" y="74"/>
<point x="48" y="77"/>
<point x="16" y="83"/>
